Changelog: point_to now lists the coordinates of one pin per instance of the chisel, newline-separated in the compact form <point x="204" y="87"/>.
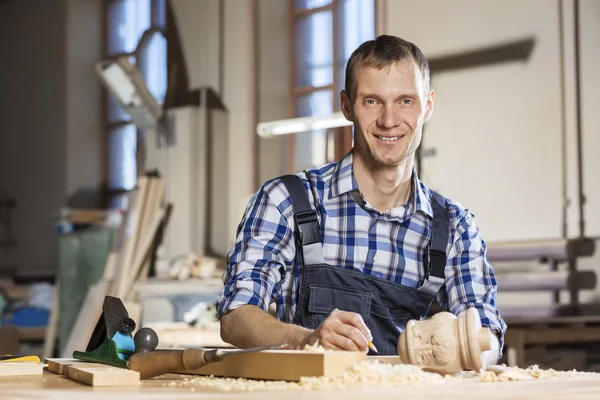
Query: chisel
<point x="161" y="362"/>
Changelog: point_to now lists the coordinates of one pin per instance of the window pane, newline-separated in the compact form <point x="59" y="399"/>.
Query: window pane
<point x="316" y="103"/>
<point x="127" y="20"/>
<point x="303" y="4"/>
<point x="122" y="170"/>
<point x="153" y="65"/>
<point x="314" y="49"/>
<point x="356" y="25"/>
<point x="310" y="147"/>
<point x="159" y="13"/>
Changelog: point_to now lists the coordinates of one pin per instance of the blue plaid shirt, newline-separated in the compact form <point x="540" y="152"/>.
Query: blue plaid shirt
<point x="389" y="245"/>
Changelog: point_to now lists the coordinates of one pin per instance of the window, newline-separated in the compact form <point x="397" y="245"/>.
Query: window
<point x="325" y="33"/>
<point x="129" y="24"/>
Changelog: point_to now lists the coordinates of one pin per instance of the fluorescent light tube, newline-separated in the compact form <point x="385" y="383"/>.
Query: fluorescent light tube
<point x="301" y="124"/>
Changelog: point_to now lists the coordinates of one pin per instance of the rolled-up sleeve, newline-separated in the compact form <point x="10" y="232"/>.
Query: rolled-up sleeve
<point x="470" y="279"/>
<point x="257" y="262"/>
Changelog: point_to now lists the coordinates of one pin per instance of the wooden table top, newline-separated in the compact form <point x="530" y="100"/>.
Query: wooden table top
<point x="53" y="386"/>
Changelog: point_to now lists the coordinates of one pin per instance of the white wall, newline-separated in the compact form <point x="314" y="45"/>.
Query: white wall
<point x="199" y="33"/>
<point x="49" y="110"/>
<point x="590" y="59"/>
<point x="273" y="82"/>
<point x="239" y="97"/>
<point x="84" y="132"/>
<point x="234" y="76"/>
<point x="497" y="130"/>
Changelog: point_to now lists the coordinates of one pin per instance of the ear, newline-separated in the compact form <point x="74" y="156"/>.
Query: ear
<point x="429" y="105"/>
<point x="346" y="106"/>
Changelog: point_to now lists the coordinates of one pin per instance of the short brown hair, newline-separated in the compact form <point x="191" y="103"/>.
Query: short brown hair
<point x="382" y="52"/>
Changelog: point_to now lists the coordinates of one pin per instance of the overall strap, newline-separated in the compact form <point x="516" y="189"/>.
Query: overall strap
<point x="435" y="253"/>
<point x="306" y="224"/>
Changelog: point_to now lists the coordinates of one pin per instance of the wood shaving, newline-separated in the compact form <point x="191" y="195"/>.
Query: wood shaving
<point x="315" y="348"/>
<point x="370" y="374"/>
<point x="529" y="373"/>
<point x="363" y="375"/>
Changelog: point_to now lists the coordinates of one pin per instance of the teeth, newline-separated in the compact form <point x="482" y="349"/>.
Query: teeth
<point x="389" y="139"/>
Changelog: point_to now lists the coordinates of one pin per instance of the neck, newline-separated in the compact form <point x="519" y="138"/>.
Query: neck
<point x="382" y="186"/>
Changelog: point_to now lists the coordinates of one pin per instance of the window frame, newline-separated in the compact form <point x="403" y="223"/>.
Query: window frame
<point x="110" y="125"/>
<point x="338" y="141"/>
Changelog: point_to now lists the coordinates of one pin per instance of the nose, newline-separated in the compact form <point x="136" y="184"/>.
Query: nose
<point x="388" y="118"/>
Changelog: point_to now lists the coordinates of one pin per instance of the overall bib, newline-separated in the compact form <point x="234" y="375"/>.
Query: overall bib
<point x="385" y="306"/>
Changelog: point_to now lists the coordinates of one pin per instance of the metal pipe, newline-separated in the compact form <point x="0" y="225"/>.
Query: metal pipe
<point x="581" y="198"/>
<point x="551" y="249"/>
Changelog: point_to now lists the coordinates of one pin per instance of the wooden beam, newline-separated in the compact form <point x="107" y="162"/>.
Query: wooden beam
<point x="519" y="50"/>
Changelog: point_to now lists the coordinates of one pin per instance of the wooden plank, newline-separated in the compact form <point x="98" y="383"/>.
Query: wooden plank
<point x="144" y="247"/>
<point x="21" y="368"/>
<point x="148" y="213"/>
<point x="131" y="238"/>
<point x="61" y="365"/>
<point x="86" y="321"/>
<point x="287" y="365"/>
<point x="104" y="375"/>
<point x="155" y="204"/>
<point x="52" y="328"/>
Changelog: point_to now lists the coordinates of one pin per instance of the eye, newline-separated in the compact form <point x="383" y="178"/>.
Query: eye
<point x="370" y="102"/>
<point x="407" y="102"/>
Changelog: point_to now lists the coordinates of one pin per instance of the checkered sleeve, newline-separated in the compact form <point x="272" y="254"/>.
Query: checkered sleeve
<point x="262" y="251"/>
<point x="470" y="280"/>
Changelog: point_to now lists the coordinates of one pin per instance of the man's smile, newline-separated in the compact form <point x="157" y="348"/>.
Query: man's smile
<point x="390" y="139"/>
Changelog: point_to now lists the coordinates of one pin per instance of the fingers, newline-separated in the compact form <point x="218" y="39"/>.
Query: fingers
<point x="355" y="320"/>
<point x="344" y="330"/>
<point x="337" y="337"/>
<point x="354" y="337"/>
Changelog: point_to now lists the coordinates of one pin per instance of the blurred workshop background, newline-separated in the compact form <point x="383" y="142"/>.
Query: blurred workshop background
<point x="133" y="133"/>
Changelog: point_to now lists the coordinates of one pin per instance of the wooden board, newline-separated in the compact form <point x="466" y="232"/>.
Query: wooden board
<point x="93" y="374"/>
<point x="285" y="365"/>
<point x="103" y="375"/>
<point x="61" y="365"/>
<point x="21" y="368"/>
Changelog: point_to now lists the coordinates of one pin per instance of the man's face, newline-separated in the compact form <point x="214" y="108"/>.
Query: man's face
<point x="389" y="109"/>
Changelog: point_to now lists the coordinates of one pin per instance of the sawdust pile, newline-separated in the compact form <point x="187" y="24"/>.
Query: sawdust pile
<point x="363" y="375"/>
<point x="503" y="374"/>
<point x="373" y="374"/>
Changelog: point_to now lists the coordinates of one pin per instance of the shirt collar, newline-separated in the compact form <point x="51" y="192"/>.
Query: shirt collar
<point x="343" y="181"/>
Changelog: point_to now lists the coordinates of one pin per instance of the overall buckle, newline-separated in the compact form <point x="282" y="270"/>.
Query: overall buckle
<point x="307" y="227"/>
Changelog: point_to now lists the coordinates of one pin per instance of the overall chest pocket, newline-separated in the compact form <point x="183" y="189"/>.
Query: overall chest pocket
<point x="323" y="299"/>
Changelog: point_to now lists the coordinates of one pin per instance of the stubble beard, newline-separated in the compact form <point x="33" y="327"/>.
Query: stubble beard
<point x="391" y="160"/>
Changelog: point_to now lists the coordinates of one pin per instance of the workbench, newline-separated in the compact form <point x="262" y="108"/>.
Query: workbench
<point x="54" y="386"/>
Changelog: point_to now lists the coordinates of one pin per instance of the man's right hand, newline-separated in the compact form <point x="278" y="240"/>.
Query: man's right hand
<point x="342" y="330"/>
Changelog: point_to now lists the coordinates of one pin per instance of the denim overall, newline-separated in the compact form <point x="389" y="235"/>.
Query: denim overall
<point x="385" y="306"/>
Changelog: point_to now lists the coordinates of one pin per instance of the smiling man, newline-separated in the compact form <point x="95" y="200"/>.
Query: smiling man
<point x="350" y="251"/>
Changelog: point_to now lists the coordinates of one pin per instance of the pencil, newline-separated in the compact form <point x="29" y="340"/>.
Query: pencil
<point x="372" y="347"/>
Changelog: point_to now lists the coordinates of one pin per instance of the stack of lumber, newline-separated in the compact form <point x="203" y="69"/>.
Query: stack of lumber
<point x="129" y="259"/>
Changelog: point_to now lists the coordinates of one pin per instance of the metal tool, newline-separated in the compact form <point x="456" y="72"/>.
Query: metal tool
<point x="111" y="342"/>
<point x="161" y="362"/>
